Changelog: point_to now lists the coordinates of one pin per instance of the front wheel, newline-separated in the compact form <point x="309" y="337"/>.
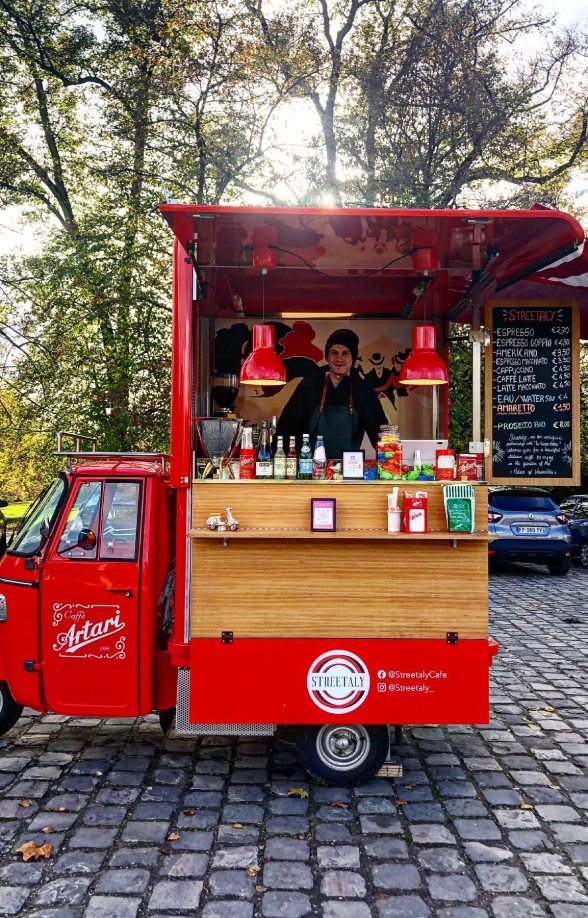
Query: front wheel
<point x="10" y="711"/>
<point x="584" y="554"/>
<point x="343" y="754"/>
<point x="559" y="568"/>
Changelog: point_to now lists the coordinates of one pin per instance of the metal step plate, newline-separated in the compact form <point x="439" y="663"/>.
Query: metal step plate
<point x="185" y="728"/>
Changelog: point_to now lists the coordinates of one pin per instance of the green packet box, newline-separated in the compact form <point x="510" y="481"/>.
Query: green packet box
<point x="460" y="507"/>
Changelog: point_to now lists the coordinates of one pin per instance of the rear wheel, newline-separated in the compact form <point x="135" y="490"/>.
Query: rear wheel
<point x="559" y="568"/>
<point x="584" y="554"/>
<point x="343" y="753"/>
<point x="10" y="711"/>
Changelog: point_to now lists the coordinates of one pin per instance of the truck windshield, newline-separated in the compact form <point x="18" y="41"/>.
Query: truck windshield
<point x="35" y="526"/>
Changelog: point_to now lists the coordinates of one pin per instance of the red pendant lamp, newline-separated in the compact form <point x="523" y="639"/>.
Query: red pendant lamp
<point x="263" y="367"/>
<point x="423" y="366"/>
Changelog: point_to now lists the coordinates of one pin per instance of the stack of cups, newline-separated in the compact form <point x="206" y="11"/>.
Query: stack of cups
<point x="394" y="513"/>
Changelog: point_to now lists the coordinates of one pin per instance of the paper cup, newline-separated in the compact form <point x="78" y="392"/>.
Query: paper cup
<point x="394" y="517"/>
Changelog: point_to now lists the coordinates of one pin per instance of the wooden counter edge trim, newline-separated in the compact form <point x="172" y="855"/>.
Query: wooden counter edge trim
<point x="358" y="534"/>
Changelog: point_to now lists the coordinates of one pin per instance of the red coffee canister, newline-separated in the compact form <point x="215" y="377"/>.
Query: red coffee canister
<point x="445" y="462"/>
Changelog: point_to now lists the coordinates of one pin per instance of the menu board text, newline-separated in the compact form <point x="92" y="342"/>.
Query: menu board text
<point x="532" y="393"/>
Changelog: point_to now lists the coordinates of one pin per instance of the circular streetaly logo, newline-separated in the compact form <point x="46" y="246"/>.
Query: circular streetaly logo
<point x="338" y="681"/>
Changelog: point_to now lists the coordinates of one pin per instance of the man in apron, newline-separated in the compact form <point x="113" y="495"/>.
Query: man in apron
<point x="334" y="401"/>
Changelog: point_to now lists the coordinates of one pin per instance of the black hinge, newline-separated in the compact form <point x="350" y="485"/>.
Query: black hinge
<point x="452" y="637"/>
<point x="226" y="637"/>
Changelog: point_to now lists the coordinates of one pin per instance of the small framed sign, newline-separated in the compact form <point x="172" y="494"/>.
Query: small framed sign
<point x="323" y="514"/>
<point x="353" y="461"/>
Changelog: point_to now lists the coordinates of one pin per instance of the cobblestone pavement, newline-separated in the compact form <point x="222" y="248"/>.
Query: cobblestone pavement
<point x="486" y="821"/>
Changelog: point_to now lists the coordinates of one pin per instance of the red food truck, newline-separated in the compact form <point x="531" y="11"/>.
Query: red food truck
<point x="120" y="597"/>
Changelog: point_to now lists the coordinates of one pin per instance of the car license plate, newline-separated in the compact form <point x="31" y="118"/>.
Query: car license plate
<point x="531" y="530"/>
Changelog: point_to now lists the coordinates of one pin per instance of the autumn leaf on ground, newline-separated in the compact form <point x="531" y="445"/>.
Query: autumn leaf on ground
<point x="61" y="809"/>
<point x="337" y="805"/>
<point x="189" y="812"/>
<point x="534" y="726"/>
<point x="297" y="792"/>
<point x="30" y="851"/>
<point x="26" y="802"/>
<point x="526" y="806"/>
<point x="47" y="830"/>
<point x="400" y="802"/>
<point x="237" y="825"/>
<point x="410" y="786"/>
<point x="261" y="889"/>
<point x="252" y="871"/>
<point x="173" y="836"/>
<point x="549" y="707"/>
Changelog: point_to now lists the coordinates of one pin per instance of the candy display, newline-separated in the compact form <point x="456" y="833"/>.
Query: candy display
<point x="389" y="453"/>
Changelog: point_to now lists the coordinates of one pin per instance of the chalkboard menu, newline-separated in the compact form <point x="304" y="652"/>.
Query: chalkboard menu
<point x="531" y="382"/>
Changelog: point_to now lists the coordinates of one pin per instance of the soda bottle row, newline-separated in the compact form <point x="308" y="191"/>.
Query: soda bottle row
<point x="282" y="465"/>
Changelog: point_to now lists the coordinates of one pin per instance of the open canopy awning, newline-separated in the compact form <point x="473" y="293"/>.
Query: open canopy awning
<point x="395" y="263"/>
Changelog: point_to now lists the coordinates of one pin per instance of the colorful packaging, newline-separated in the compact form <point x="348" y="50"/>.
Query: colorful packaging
<point x="415" y="512"/>
<point x="460" y="507"/>
<point x="445" y="461"/>
<point x="467" y="464"/>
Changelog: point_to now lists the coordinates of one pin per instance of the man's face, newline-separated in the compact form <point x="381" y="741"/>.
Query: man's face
<point x="340" y="360"/>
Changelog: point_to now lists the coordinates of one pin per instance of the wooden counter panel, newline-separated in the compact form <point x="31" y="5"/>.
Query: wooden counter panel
<point x="287" y="504"/>
<point x="339" y="589"/>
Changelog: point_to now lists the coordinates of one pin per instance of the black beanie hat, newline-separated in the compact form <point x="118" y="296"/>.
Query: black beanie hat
<point x="347" y="338"/>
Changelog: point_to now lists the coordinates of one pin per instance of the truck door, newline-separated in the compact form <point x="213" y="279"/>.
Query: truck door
<point x="90" y="592"/>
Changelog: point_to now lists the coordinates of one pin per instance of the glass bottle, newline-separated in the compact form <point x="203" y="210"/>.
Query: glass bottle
<point x="305" y="459"/>
<point x="264" y="466"/>
<point x="280" y="460"/>
<point x="292" y="459"/>
<point x="319" y="459"/>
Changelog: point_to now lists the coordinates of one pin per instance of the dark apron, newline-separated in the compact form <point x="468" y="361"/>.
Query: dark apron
<point x="338" y="425"/>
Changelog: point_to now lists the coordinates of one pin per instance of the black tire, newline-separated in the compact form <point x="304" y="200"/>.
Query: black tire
<point x="10" y="711"/>
<point x="166" y="719"/>
<point x="583" y="558"/>
<point x="559" y="568"/>
<point x="343" y="754"/>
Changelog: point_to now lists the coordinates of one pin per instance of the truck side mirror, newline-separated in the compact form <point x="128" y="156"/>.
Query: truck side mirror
<point x="86" y="539"/>
<point x="3" y="503"/>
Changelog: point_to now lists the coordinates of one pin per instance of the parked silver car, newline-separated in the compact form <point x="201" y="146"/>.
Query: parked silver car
<point x="525" y="524"/>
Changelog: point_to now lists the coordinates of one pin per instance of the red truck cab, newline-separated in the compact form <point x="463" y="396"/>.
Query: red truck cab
<point x="83" y="584"/>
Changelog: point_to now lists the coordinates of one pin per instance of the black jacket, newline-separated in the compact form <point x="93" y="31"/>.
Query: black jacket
<point x="295" y="418"/>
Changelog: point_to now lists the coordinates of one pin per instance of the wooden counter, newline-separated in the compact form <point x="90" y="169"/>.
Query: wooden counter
<point x="276" y="578"/>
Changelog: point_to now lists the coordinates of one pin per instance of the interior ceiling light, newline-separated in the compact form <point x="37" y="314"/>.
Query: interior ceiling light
<point x="263" y="367"/>
<point x="424" y="366"/>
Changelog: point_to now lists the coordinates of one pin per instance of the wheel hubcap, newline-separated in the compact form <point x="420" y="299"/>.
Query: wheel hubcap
<point x="343" y="747"/>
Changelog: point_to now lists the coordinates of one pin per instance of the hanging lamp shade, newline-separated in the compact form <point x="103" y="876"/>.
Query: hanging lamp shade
<point x="424" y="366"/>
<point x="263" y="367"/>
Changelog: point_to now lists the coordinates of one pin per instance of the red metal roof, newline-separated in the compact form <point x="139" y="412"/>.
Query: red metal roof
<point x="330" y="260"/>
<point x="118" y="467"/>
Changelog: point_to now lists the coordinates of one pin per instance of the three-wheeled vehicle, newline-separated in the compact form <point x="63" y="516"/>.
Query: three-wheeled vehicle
<point x="118" y="599"/>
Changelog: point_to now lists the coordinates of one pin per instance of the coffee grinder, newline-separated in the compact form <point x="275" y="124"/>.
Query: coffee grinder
<point x="224" y="388"/>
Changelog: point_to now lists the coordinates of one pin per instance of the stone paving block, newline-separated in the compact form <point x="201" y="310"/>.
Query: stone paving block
<point x="84" y="863"/>
<point x="334" y="856"/>
<point x="287" y="875"/>
<point x="285" y="905"/>
<point x="477" y="830"/>
<point x="403" y="907"/>
<point x="12" y="899"/>
<point x="228" y="909"/>
<point x="441" y="860"/>
<point x="343" y="884"/>
<point x="561" y="889"/>
<point x="112" y="907"/>
<point x="396" y="877"/>
<point x="178" y="896"/>
<point x="499" y="878"/>
<point x="451" y="888"/>
<point x="67" y="890"/>
<point x="126" y="880"/>
<point x="517" y="907"/>
<point x="432" y="835"/>
<point x="333" y="909"/>
<point x="245" y="856"/>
